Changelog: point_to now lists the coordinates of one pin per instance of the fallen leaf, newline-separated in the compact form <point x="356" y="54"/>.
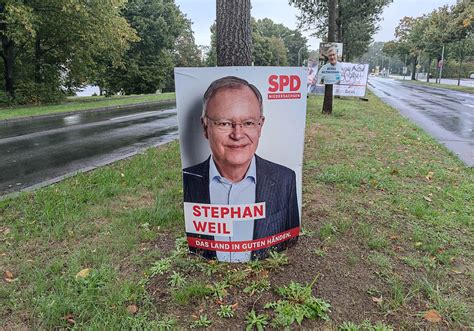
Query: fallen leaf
<point x="427" y="199"/>
<point x="432" y="316"/>
<point x="418" y="244"/>
<point x="69" y="318"/>
<point x="430" y="175"/>
<point x="377" y="300"/>
<point x="132" y="309"/>
<point x="83" y="273"/>
<point x="8" y="276"/>
<point x="234" y="305"/>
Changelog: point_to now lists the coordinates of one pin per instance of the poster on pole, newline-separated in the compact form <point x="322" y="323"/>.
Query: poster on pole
<point x="241" y="135"/>
<point x="330" y="72"/>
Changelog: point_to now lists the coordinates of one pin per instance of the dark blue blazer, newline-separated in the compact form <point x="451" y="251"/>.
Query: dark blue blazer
<point x="276" y="186"/>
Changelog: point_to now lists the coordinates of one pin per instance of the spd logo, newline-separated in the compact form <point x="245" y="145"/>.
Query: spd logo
<point x="284" y="87"/>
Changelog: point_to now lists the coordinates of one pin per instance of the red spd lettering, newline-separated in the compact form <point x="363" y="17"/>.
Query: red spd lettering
<point x="284" y="82"/>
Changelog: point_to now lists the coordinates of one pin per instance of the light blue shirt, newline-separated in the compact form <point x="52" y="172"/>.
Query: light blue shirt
<point x="224" y="192"/>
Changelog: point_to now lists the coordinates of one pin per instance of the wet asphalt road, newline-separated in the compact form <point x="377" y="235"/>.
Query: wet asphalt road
<point x="35" y="151"/>
<point x="445" y="114"/>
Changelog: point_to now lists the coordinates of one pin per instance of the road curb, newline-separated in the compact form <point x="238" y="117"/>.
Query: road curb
<point x="132" y="106"/>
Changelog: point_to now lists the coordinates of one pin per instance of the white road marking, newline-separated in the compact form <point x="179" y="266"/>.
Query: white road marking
<point x="133" y="115"/>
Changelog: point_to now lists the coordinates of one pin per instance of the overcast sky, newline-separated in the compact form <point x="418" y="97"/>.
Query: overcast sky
<point x="203" y="13"/>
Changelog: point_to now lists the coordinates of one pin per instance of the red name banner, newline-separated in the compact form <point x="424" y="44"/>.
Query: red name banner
<point x="243" y="246"/>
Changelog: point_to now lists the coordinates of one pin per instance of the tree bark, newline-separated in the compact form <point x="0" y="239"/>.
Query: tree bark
<point x="429" y="70"/>
<point x="38" y="55"/>
<point x="234" y="41"/>
<point x="332" y="26"/>
<point x="460" y="62"/>
<point x="413" y="67"/>
<point x="8" y="61"/>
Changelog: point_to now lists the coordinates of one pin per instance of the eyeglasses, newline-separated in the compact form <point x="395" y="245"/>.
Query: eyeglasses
<point x="248" y="125"/>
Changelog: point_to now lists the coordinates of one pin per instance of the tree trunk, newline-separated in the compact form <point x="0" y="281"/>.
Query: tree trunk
<point x="429" y="70"/>
<point x="413" y="67"/>
<point x="332" y="26"/>
<point x="234" y="41"/>
<point x="8" y="61"/>
<point x="38" y="54"/>
<point x="460" y="63"/>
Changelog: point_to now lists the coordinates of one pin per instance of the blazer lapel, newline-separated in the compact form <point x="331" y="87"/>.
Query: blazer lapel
<point x="265" y="192"/>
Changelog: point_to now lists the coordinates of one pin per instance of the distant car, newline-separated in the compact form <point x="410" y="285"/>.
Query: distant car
<point x="472" y="76"/>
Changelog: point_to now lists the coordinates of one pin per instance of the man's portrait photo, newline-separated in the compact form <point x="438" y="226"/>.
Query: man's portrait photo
<point x="232" y="119"/>
<point x="330" y="72"/>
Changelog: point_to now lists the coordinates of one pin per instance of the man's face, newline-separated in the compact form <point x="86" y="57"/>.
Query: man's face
<point x="332" y="55"/>
<point x="233" y="145"/>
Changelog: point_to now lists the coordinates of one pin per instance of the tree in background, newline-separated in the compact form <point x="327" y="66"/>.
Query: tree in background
<point x="287" y="42"/>
<point x="357" y="22"/>
<point x="50" y="45"/>
<point x="149" y="63"/>
<point x="445" y="32"/>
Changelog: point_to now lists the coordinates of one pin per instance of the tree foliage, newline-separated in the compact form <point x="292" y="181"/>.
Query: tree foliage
<point x="148" y="63"/>
<point x="52" y="47"/>
<point x="446" y="27"/>
<point x="49" y="45"/>
<point x="357" y="22"/>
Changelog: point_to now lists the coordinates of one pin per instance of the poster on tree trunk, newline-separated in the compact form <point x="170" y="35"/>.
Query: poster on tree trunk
<point x="241" y="136"/>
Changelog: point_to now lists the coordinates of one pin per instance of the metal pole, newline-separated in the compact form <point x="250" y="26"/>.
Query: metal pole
<point x="299" y="55"/>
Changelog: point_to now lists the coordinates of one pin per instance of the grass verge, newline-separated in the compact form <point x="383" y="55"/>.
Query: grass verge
<point x="388" y="240"/>
<point x="465" y="89"/>
<point x="81" y="103"/>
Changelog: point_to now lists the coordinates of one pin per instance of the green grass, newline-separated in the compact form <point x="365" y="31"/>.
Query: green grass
<point x="461" y="88"/>
<point x="80" y="103"/>
<point x="366" y="173"/>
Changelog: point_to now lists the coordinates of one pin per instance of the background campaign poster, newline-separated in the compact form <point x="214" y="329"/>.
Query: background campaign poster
<point x="239" y="220"/>
<point x="353" y="80"/>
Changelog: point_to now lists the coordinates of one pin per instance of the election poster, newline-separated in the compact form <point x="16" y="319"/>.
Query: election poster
<point x="241" y="133"/>
<point x="352" y="80"/>
<point x="311" y="72"/>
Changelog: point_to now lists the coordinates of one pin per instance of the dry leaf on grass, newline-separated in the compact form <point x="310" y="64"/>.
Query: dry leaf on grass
<point x="8" y="276"/>
<point x="83" y="273"/>
<point x="432" y="316"/>
<point x="132" y="309"/>
<point x="69" y="318"/>
<point x="377" y="300"/>
<point x="5" y="230"/>
<point x="429" y="176"/>
<point x="427" y="199"/>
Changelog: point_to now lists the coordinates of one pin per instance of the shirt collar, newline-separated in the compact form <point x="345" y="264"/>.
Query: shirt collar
<point x="214" y="173"/>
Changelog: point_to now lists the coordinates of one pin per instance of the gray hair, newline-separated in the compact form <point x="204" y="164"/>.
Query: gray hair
<point x="332" y="48"/>
<point x="229" y="82"/>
